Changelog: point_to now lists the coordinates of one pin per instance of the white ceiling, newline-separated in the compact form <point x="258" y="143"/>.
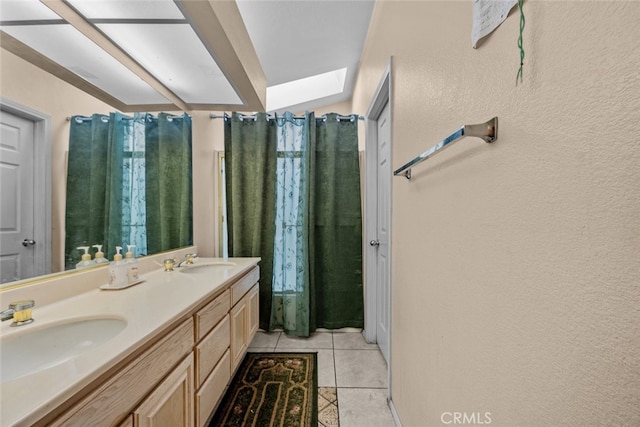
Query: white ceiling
<point x="294" y="40"/>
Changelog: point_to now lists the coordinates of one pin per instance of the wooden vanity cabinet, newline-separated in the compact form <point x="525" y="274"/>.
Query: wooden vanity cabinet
<point x="209" y="316"/>
<point x="254" y="311"/>
<point x="128" y="422"/>
<point x="238" y="332"/>
<point x="180" y="379"/>
<point x="171" y="403"/>
<point x="244" y="316"/>
<point x="223" y="348"/>
<point x="212" y="355"/>
<point x="113" y="399"/>
<point x="208" y="396"/>
<point x="244" y="324"/>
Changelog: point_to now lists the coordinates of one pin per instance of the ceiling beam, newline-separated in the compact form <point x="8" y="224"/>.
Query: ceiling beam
<point x="222" y="31"/>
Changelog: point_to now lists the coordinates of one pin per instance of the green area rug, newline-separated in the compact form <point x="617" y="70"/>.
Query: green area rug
<point x="272" y="390"/>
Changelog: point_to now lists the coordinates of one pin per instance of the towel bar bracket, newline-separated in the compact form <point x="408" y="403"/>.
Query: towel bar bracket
<point x="487" y="131"/>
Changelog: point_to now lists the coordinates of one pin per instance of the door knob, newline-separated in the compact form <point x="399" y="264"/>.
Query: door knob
<point x="374" y="243"/>
<point x="28" y="242"/>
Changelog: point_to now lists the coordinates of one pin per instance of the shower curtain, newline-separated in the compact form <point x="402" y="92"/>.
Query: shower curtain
<point x="250" y="169"/>
<point x="310" y="198"/>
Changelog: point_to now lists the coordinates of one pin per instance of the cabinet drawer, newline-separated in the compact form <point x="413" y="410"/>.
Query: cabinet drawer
<point x="213" y="388"/>
<point x="243" y="285"/>
<point x="212" y="347"/>
<point x="211" y="314"/>
<point x="116" y="398"/>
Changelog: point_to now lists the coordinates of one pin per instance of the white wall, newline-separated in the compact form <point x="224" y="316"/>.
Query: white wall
<point x="516" y="265"/>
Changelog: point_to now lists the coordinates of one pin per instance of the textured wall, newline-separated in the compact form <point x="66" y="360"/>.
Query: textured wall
<point x="516" y="266"/>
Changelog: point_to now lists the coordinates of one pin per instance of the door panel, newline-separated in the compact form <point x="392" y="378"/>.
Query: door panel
<point x="17" y="193"/>
<point x="239" y="329"/>
<point x="384" y="207"/>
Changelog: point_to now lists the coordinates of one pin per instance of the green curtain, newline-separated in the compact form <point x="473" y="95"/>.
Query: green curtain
<point x="250" y="175"/>
<point x="94" y="190"/>
<point x="126" y="176"/>
<point x="335" y="224"/>
<point x="293" y="198"/>
<point x="168" y="182"/>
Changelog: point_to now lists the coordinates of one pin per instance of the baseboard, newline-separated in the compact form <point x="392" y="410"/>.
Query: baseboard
<point x="394" y="414"/>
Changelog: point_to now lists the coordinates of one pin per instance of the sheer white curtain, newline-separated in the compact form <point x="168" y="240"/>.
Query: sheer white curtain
<point x="290" y="268"/>
<point x="134" y="208"/>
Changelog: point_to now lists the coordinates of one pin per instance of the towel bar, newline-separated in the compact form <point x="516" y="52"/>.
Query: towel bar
<point x="487" y="131"/>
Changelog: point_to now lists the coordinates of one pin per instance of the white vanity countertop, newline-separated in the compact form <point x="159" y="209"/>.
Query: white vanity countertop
<point x="148" y="308"/>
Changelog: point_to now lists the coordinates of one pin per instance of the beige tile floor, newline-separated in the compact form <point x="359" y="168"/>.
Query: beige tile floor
<point x="352" y="376"/>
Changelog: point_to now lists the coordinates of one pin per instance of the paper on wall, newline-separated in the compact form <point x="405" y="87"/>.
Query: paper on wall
<point x="487" y="15"/>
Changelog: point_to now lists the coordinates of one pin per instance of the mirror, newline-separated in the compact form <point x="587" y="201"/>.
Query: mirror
<point x="128" y="185"/>
<point x="42" y="102"/>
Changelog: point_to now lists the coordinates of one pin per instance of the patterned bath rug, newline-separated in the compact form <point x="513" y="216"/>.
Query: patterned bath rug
<point x="271" y="390"/>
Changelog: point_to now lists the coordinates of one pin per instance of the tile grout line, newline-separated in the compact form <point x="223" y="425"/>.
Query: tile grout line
<point x="277" y="342"/>
<point x="335" y="371"/>
<point x="364" y="388"/>
<point x="335" y="375"/>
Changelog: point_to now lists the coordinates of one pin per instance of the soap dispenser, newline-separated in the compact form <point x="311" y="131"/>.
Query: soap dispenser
<point x="99" y="257"/>
<point x="86" y="258"/>
<point x="118" y="271"/>
<point x="132" y="265"/>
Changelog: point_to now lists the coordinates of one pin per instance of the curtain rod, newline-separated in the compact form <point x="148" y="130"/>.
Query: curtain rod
<point x="271" y="116"/>
<point x="105" y="118"/>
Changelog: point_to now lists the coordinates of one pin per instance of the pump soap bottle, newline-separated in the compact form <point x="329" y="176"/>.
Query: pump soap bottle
<point x="86" y="258"/>
<point x="99" y="258"/>
<point x="118" y="271"/>
<point x="132" y="265"/>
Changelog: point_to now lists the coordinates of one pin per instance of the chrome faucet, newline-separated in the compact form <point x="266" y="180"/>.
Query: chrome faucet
<point x="7" y="314"/>
<point x="20" y="312"/>
<point x="187" y="259"/>
<point x="171" y="263"/>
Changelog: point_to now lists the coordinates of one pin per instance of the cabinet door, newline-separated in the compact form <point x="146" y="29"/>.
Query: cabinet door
<point x="128" y="422"/>
<point x="239" y="330"/>
<point x="171" y="403"/>
<point x="253" y="311"/>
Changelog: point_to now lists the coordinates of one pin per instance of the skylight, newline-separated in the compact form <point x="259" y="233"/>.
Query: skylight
<point x="307" y="89"/>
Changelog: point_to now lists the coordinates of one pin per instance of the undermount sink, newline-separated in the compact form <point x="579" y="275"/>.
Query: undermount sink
<point x="205" y="268"/>
<point x="37" y="348"/>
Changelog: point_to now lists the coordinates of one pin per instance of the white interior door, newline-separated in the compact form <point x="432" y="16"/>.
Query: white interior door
<point x="17" y="252"/>
<point x="383" y="271"/>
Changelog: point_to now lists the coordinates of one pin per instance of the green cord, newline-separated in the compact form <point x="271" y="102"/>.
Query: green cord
<point x="519" y="75"/>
